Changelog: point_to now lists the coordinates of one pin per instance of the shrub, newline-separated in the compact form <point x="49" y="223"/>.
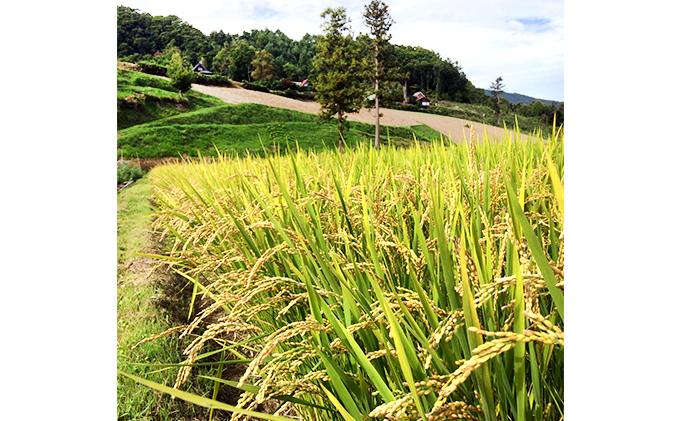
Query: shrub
<point x="214" y="80"/>
<point x="152" y="68"/>
<point x="292" y="93"/>
<point x="127" y="171"/>
<point x="272" y="85"/>
<point x="255" y="87"/>
<point x="181" y="76"/>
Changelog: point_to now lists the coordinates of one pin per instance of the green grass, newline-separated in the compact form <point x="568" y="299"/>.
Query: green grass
<point x="146" y="307"/>
<point x="142" y="98"/>
<point x="249" y="128"/>
<point x="236" y="114"/>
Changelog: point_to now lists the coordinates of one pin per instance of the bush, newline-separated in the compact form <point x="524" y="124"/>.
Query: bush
<point x="182" y="81"/>
<point x="255" y="87"/>
<point x="272" y="85"/>
<point x="181" y="76"/>
<point x="214" y="80"/>
<point x="127" y="171"/>
<point x="152" y="68"/>
<point x="292" y="93"/>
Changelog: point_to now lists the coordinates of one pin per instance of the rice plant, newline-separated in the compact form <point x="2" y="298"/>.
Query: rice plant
<point x="400" y="284"/>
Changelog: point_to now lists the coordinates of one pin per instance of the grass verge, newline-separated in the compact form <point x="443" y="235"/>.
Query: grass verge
<point x="146" y="306"/>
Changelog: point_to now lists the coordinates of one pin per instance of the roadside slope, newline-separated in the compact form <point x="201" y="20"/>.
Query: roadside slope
<point x="454" y="127"/>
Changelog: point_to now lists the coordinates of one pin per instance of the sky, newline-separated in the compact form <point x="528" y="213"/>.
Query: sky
<point x="521" y="41"/>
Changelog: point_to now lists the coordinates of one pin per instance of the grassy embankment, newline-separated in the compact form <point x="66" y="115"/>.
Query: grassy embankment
<point x="419" y="283"/>
<point x="146" y="306"/>
<point x="239" y="129"/>
<point x="249" y="128"/>
<point x="142" y="98"/>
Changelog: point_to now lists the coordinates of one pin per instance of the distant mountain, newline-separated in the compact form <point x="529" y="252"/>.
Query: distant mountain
<point x="524" y="99"/>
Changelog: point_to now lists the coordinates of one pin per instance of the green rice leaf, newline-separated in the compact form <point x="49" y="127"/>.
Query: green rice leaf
<point x="202" y="401"/>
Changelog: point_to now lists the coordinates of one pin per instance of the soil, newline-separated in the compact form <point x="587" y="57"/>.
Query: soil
<point x="456" y="128"/>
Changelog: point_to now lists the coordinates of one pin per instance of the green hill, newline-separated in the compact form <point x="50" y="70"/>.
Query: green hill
<point x="246" y="113"/>
<point x="167" y="126"/>
<point x="142" y="98"/>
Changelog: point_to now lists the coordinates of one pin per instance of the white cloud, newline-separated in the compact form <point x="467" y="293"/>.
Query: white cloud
<point x="522" y="40"/>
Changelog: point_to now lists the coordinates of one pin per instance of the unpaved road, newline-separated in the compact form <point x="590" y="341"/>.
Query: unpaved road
<point x="450" y="126"/>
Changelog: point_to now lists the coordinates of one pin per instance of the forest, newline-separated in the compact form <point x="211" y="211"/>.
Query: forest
<point x="266" y="55"/>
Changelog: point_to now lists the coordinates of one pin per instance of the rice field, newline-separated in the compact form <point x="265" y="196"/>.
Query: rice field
<point x="401" y="284"/>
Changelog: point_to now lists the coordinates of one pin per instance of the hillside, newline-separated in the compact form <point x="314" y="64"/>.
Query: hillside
<point x="514" y="98"/>
<point x="254" y="122"/>
<point x="142" y="98"/>
<point x="458" y="129"/>
<point x="146" y="38"/>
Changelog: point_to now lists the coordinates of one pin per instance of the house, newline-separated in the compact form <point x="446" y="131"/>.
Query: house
<point x="303" y="83"/>
<point x="422" y="99"/>
<point x="201" y="69"/>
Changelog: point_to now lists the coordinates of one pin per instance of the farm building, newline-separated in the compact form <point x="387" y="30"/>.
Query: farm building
<point x="422" y="99"/>
<point x="201" y="69"/>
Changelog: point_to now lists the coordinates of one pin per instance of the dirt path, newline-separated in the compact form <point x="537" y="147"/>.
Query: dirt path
<point x="450" y="126"/>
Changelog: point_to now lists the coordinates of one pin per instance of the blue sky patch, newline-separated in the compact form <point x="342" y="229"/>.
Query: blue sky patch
<point x="533" y="21"/>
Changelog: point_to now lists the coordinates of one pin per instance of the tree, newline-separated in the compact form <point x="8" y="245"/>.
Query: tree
<point x="241" y="56"/>
<point x="263" y="67"/>
<point x="341" y="67"/>
<point x="379" y="21"/>
<point x="221" y="60"/>
<point x="496" y="89"/>
<point x="181" y="76"/>
<point x="292" y="71"/>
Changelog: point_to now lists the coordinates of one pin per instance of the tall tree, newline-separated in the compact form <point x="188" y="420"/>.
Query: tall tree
<point x="180" y="74"/>
<point x="241" y="56"/>
<point x="379" y="21"/>
<point x="341" y="68"/>
<point x="496" y="89"/>
<point x="263" y="67"/>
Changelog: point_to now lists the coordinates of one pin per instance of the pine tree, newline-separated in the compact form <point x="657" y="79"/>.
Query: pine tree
<point x="341" y="68"/>
<point x="379" y="21"/>
<point x="496" y="89"/>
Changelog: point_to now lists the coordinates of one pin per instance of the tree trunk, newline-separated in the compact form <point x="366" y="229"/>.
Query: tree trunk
<point x="341" y="146"/>
<point x="377" y="116"/>
<point x="377" y="100"/>
<point x="498" y="102"/>
<point x="405" y="92"/>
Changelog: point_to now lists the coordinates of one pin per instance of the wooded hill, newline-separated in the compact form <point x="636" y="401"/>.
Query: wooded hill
<point x="262" y="55"/>
<point x="514" y="98"/>
<point x="143" y="37"/>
